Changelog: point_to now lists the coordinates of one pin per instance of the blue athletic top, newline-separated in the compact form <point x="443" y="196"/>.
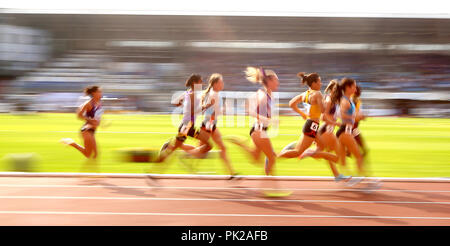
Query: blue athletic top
<point x="350" y="111"/>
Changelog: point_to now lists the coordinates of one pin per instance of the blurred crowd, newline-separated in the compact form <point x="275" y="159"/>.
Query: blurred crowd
<point x="142" y="76"/>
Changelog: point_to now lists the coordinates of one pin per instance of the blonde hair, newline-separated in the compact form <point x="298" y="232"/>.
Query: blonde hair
<point x="333" y="83"/>
<point x="213" y="79"/>
<point x="257" y="75"/>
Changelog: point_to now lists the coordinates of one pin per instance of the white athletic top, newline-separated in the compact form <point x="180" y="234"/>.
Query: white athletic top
<point x="216" y="108"/>
<point x="264" y="107"/>
<point x="187" y="115"/>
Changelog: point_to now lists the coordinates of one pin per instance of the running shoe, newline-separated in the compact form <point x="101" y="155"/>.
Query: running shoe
<point x="234" y="177"/>
<point x="290" y="146"/>
<point x="307" y="153"/>
<point x="150" y="180"/>
<point x="342" y="178"/>
<point x="354" y="181"/>
<point x="372" y="186"/>
<point x="162" y="152"/>
<point x="67" y="141"/>
<point x="276" y="193"/>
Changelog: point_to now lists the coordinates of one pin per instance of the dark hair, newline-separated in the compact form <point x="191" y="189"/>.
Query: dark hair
<point x="192" y="79"/>
<point x="338" y="90"/>
<point x="90" y="89"/>
<point x="357" y="92"/>
<point x="333" y="83"/>
<point x="309" y="78"/>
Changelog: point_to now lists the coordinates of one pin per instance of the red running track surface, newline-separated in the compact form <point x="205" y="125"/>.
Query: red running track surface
<point x="187" y="202"/>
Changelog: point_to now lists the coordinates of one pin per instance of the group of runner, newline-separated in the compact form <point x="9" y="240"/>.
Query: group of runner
<point x="341" y="99"/>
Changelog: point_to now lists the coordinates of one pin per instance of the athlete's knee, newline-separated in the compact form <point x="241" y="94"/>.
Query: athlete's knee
<point x="271" y="157"/>
<point x="207" y="146"/>
<point x="223" y="150"/>
<point x="88" y="153"/>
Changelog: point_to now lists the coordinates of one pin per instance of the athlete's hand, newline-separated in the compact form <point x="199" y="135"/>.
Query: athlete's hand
<point x="275" y="121"/>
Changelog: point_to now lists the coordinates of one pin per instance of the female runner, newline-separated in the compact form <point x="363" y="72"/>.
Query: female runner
<point x="191" y="107"/>
<point x="359" y="116"/>
<point x="262" y="113"/>
<point x="342" y="94"/>
<point x="326" y="137"/>
<point x="212" y="104"/>
<point x="313" y="97"/>
<point x="91" y="112"/>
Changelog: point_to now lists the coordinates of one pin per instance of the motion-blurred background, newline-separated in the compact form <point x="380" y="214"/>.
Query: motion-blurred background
<point x="402" y="64"/>
<point x="141" y="58"/>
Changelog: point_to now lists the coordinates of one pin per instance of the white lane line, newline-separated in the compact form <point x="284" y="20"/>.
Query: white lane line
<point x="223" y="215"/>
<point x="210" y="199"/>
<point x="207" y="188"/>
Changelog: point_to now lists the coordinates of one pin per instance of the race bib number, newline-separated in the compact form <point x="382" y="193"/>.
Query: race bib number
<point x="259" y="126"/>
<point x="330" y="128"/>
<point x="356" y="132"/>
<point x="348" y="129"/>
<point x="209" y="125"/>
<point x="314" y="126"/>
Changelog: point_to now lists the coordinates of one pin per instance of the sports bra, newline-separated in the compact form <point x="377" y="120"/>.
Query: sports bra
<point x="350" y="111"/>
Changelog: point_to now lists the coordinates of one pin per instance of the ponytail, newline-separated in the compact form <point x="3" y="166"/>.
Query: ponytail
<point x="90" y="89"/>
<point x="301" y="76"/>
<point x="192" y="79"/>
<point x="338" y="91"/>
<point x="259" y="75"/>
<point x="333" y="83"/>
<point x="308" y="79"/>
<point x="254" y="75"/>
<point x="336" y="94"/>
<point x="213" y="79"/>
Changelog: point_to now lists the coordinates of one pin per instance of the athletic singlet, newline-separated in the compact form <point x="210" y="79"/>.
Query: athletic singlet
<point x="357" y="109"/>
<point x="264" y="109"/>
<point x="350" y="111"/>
<point x="314" y="110"/>
<point x="188" y="116"/>
<point x="357" y="105"/>
<point x="214" y="110"/>
<point x="95" y="112"/>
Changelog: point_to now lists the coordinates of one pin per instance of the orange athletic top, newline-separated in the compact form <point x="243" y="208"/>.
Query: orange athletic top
<point x="314" y="110"/>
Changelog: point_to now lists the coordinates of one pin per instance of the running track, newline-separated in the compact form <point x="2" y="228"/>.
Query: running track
<point x="188" y="202"/>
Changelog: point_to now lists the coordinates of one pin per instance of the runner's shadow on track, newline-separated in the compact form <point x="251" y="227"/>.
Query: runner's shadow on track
<point x="292" y="207"/>
<point x="430" y="195"/>
<point x="349" y="212"/>
<point x="357" y="195"/>
<point x="247" y="194"/>
<point x="429" y="207"/>
<point x="120" y="190"/>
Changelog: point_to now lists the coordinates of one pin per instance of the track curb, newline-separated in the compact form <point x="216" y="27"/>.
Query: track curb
<point x="208" y="177"/>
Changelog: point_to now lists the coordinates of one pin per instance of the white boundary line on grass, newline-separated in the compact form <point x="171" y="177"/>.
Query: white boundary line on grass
<point x="220" y="215"/>
<point x="209" y="177"/>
